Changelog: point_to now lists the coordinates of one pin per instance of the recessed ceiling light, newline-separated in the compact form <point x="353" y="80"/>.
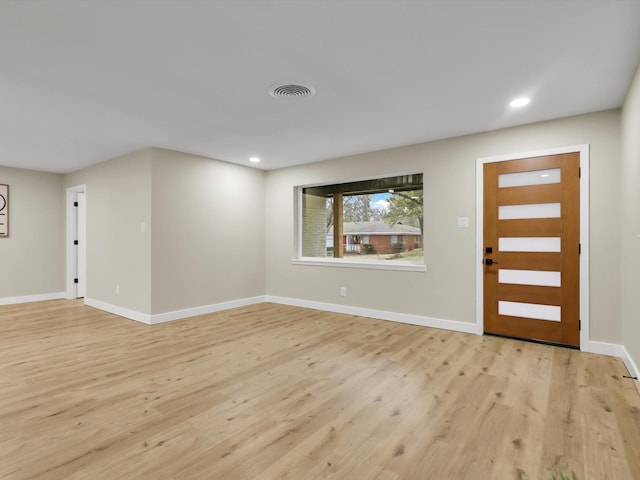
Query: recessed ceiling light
<point x="254" y="159"/>
<point x="520" y="102"/>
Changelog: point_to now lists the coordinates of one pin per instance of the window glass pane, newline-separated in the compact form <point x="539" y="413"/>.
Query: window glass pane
<point x="529" y="244"/>
<point x="529" y="277"/>
<point x="376" y="223"/>
<point x="534" y="210"/>
<point x="529" y="310"/>
<point x="316" y="213"/>
<point x="535" y="177"/>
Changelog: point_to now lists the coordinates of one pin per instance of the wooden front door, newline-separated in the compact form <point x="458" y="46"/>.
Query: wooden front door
<point x="532" y="248"/>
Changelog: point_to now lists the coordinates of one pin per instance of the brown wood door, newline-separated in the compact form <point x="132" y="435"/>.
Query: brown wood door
<point x="531" y="248"/>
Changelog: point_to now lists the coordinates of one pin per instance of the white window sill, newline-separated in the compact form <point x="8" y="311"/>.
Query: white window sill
<point x="376" y="265"/>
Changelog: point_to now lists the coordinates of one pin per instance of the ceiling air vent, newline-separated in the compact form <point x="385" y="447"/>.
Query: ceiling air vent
<point x="288" y="90"/>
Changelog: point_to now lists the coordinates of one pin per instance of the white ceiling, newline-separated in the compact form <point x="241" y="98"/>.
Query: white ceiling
<point x="81" y="82"/>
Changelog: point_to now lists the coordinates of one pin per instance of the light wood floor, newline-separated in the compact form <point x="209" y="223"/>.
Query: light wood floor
<point x="270" y="391"/>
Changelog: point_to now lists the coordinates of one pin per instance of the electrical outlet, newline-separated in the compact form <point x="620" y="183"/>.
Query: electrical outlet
<point x="118" y="289"/>
<point x="343" y="291"/>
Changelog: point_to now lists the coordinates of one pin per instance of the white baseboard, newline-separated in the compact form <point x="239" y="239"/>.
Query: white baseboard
<point x="205" y="309"/>
<point x="120" y="311"/>
<point x="32" y="298"/>
<point x="603" y="348"/>
<point x="379" y="314"/>
<point x="630" y="364"/>
<point x="170" y="316"/>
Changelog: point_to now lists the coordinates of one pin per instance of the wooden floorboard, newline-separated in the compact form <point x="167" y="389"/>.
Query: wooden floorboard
<point x="278" y="392"/>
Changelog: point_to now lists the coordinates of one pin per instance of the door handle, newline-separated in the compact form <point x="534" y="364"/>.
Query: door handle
<point x="489" y="261"/>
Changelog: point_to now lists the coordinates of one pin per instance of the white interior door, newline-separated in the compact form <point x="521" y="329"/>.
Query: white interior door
<point x="81" y="250"/>
<point x="76" y="244"/>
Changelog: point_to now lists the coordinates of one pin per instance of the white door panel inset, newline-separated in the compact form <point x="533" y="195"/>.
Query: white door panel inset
<point x="529" y="244"/>
<point x="529" y="277"/>
<point x="533" y="210"/>
<point x="523" y="179"/>
<point x="530" y="310"/>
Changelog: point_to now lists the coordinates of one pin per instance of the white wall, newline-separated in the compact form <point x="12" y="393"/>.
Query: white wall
<point x="118" y="197"/>
<point x="208" y="232"/>
<point x="203" y="242"/>
<point x="630" y="225"/>
<point x="447" y="290"/>
<point x="32" y="256"/>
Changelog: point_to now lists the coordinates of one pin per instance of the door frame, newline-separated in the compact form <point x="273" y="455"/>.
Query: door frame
<point x="71" y="196"/>
<point x="583" y="150"/>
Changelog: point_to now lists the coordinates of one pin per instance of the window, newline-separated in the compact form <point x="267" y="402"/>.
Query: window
<point x="368" y="222"/>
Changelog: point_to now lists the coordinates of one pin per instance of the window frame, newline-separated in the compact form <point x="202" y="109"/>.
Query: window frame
<point x="299" y="259"/>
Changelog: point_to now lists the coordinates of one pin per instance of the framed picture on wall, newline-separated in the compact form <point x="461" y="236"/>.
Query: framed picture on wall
<point x="4" y="210"/>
